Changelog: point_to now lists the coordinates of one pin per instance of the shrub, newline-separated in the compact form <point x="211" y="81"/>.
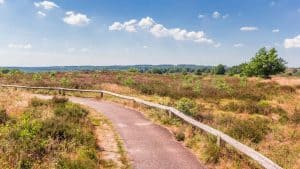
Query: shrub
<point x="296" y="117"/>
<point x="59" y="100"/>
<point x="187" y="106"/>
<point x="212" y="151"/>
<point x="70" y="111"/>
<point x="180" y="136"/>
<point x="36" y="102"/>
<point x="128" y="82"/>
<point x="253" y="129"/>
<point x="3" y="116"/>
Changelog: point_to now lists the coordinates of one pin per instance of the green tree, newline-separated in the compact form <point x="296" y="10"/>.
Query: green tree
<point x="264" y="64"/>
<point x="219" y="70"/>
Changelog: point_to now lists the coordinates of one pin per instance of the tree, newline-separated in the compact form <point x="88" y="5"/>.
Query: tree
<point x="219" y="70"/>
<point x="264" y="64"/>
<point x="198" y="72"/>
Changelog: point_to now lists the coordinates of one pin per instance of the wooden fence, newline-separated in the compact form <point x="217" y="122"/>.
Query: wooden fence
<point x="256" y="156"/>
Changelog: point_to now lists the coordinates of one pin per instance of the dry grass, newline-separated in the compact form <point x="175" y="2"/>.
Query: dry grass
<point x="276" y="101"/>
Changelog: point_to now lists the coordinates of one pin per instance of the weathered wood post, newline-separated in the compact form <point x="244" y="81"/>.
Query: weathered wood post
<point x="134" y="104"/>
<point x="220" y="143"/>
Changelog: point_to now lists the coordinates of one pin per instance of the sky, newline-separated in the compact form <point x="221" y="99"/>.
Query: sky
<point x="127" y="32"/>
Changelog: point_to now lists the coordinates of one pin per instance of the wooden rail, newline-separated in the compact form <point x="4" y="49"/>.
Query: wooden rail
<point x="259" y="158"/>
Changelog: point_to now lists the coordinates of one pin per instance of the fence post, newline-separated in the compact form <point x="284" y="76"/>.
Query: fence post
<point x="220" y="143"/>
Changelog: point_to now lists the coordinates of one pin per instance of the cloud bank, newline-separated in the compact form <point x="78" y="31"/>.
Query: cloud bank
<point x="160" y="31"/>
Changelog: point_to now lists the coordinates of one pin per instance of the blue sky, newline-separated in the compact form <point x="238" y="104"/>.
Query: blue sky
<point x="114" y="32"/>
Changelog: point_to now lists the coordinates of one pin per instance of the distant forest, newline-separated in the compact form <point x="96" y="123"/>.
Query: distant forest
<point x="139" y="68"/>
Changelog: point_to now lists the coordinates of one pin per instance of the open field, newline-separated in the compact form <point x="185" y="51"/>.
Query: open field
<point x="263" y="114"/>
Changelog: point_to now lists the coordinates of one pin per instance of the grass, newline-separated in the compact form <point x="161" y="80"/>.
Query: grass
<point x="50" y="134"/>
<point x="260" y="113"/>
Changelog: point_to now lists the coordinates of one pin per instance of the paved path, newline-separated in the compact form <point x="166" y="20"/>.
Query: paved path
<point x="149" y="146"/>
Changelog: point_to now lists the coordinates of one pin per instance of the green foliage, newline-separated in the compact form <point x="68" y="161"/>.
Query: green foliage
<point x="187" y="106"/>
<point x="236" y="69"/>
<point x="253" y="129"/>
<point x="212" y="151"/>
<point x="264" y="64"/>
<point x="129" y="82"/>
<point x="223" y="86"/>
<point x="252" y="107"/>
<point x="37" y="139"/>
<point x="36" y="77"/>
<point x="65" y="82"/>
<point x="70" y="111"/>
<point x="198" y="72"/>
<point x="219" y="69"/>
<point x="133" y="70"/>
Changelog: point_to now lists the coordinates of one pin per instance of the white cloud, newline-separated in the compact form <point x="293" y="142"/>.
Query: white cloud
<point x="248" y="28"/>
<point x="275" y="30"/>
<point x="20" y="46"/>
<point x="41" y="14"/>
<point x="201" y="16"/>
<point x="238" y="45"/>
<point x="76" y="19"/>
<point x="2" y="2"/>
<point x="116" y="26"/>
<point x="129" y="26"/>
<point x="46" y="5"/>
<point x="292" y="43"/>
<point x="158" y="30"/>
<point x="146" y="22"/>
<point x="216" y="15"/>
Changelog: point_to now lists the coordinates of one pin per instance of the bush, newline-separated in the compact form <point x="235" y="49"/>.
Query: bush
<point x="251" y="107"/>
<point x="296" y="117"/>
<point x="187" y="106"/>
<point x="180" y="136"/>
<point x="253" y="129"/>
<point x="3" y="116"/>
<point x="59" y="100"/>
<point x="212" y="151"/>
<point x="36" y="102"/>
<point x="70" y="111"/>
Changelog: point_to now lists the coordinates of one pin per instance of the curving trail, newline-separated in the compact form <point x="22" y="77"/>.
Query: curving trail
<point x="149" y="146"/>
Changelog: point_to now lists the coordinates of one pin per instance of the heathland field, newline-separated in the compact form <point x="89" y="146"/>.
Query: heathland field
<point x="264" y="114"/>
